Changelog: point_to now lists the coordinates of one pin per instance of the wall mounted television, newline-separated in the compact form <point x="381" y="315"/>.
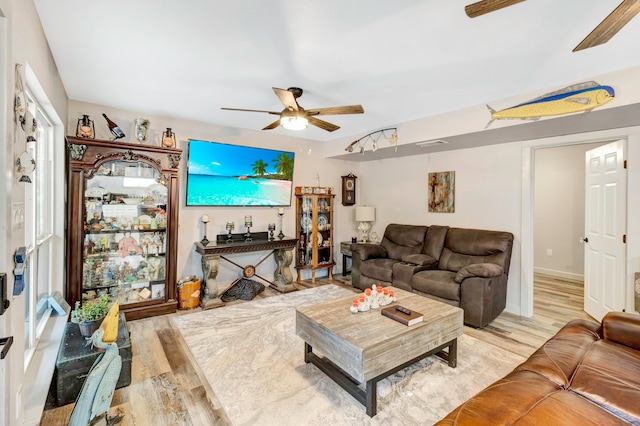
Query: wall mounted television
<point x="220" y="174"/>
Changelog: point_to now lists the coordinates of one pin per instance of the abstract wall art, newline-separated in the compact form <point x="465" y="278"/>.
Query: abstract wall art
<point x="442" y="192"/>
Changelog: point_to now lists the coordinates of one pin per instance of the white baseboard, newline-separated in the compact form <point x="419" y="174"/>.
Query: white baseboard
<point x="513" y="309"/>
<point x="559" y="274"/>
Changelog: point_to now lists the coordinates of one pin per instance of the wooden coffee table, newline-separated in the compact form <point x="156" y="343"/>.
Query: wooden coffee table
<point x="367" y="347"/>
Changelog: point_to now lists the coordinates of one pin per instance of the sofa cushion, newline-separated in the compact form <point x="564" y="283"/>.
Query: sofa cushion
<point x="420" y="259"/>
<point x="437" y="283"/>
<point x="525" y="398"/>
<point x="402" y="240"/>
<point x="610" y="369"/>
<point x="434" y="241"/>
<point x="567" y="408"/>
<point x="484" y="270"/>
<point x="504" y="402"/>
<point x="559" y="357"/>
<point x="468" y="246"/>
<point x="380" y="269"/>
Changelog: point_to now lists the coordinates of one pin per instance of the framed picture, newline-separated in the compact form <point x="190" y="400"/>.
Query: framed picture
<point x="442" y="192"/>
<point x="157" y="291"/>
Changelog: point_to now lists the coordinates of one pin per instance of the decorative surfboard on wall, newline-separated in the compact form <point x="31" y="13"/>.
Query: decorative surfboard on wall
<point x="581" y="97"/>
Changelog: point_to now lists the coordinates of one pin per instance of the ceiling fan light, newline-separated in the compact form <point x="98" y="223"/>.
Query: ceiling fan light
<point x="294" y="123"/>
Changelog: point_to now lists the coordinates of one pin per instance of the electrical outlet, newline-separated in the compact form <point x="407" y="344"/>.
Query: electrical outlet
<point x="549" y="252"/>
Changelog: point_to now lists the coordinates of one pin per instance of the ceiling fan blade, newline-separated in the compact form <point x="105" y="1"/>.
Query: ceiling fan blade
<point x="482" y="7"/>
<point x="251" y="110"/>
<point x="272" y="125"/>
<point x="350" y="109"/>
<point x="287" y="98"/>
<point x="610" y="25"/>
<point x="323" y="124"/>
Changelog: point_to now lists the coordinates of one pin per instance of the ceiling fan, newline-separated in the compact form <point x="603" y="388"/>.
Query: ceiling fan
<point x="294" y="117"/>
<point x="600" y="35"/>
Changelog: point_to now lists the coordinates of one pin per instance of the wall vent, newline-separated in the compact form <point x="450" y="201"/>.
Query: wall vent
<point x="431" y="143"/>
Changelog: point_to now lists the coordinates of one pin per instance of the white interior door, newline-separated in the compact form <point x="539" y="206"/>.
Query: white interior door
<point x="604" y="248"/>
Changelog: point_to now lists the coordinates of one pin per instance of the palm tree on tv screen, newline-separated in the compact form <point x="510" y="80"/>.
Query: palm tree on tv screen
<point x="259" y="167"/>
<point x="284" y="165"/>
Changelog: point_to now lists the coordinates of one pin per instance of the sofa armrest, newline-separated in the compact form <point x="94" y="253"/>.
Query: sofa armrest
<point x="622" y="328"/>
<point x="482" y="270"/>
<point x="368" y="251"/>
<point x="419" y="259"/>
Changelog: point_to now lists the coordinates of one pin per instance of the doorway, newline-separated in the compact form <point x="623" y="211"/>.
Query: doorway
<point x="528" y="247"/>
<point x="559" y="223"/>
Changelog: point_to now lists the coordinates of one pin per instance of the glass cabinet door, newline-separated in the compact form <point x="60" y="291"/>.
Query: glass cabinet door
<point x="124" y="244"/>
<point x="324" y="230"/>
<point x="305" y="248"/>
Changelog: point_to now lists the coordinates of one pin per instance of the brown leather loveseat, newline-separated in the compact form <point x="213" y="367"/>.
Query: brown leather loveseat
<point x="462" y="267"/>
<point x="587" y="374"/>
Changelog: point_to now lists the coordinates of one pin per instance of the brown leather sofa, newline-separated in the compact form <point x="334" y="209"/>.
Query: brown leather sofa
<point x="458" y="266"/>
<point x="587" y="374"/>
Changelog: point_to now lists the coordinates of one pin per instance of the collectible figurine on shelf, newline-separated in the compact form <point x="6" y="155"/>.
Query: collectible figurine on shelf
<point x="104" y="243"/>
<point x="128" y="245"/>
<point x="94" y="222"/>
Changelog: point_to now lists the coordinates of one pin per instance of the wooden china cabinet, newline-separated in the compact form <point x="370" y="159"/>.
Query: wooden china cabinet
<point x="314" y="230"/>
<point x="122" y="221"/>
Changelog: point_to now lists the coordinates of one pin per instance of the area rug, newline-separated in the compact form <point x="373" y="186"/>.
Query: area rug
<point x="253" y="360"/>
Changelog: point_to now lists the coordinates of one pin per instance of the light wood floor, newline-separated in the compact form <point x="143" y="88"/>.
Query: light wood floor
<point x="166" y="388"/>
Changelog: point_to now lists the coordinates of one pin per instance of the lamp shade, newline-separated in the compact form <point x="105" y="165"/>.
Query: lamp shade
<point x="365" y="214"/>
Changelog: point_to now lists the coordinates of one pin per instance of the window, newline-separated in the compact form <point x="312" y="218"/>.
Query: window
<point x="38" y="229"/>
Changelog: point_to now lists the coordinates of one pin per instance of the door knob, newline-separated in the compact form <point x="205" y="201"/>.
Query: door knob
<point x="584" y="240"/>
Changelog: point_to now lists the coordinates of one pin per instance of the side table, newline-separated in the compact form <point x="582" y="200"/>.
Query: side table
<point x="345" y="250"/>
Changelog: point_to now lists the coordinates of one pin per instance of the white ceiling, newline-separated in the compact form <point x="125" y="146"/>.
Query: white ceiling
<point x="400" y="60"/>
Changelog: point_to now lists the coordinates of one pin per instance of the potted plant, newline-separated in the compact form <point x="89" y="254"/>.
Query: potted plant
<point x="89" y="316"/>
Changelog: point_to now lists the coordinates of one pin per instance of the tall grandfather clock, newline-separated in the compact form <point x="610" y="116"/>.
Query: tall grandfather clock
<point x="349" y="190"/>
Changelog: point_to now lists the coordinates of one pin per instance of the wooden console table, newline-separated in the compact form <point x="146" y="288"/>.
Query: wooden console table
<point x="282" y="250"/>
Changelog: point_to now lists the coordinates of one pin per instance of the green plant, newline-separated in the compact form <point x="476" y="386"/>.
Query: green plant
<point x="90" y="311"/>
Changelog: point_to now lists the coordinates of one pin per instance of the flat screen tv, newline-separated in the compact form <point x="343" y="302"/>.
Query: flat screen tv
<point x="220" y="174"/>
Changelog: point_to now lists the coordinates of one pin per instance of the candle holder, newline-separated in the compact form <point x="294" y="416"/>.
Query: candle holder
<point x="248" y="222"/>
<point x="272" y="227"/>
<point x="229" y="227"/>
<point x="280" y="214"/>
<point x="205" y="220"/>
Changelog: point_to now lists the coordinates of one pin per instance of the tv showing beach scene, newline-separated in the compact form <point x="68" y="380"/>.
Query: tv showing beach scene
<point x="221" y="174"/>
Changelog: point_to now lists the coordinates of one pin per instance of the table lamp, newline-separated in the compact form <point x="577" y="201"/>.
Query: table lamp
<point x="365" y="215"/>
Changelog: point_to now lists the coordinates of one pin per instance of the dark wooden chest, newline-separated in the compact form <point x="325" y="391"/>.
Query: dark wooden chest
<point x="75" y="359"/>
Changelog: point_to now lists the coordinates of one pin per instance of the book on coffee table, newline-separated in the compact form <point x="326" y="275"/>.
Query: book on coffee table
<point x="399" y="314"/>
